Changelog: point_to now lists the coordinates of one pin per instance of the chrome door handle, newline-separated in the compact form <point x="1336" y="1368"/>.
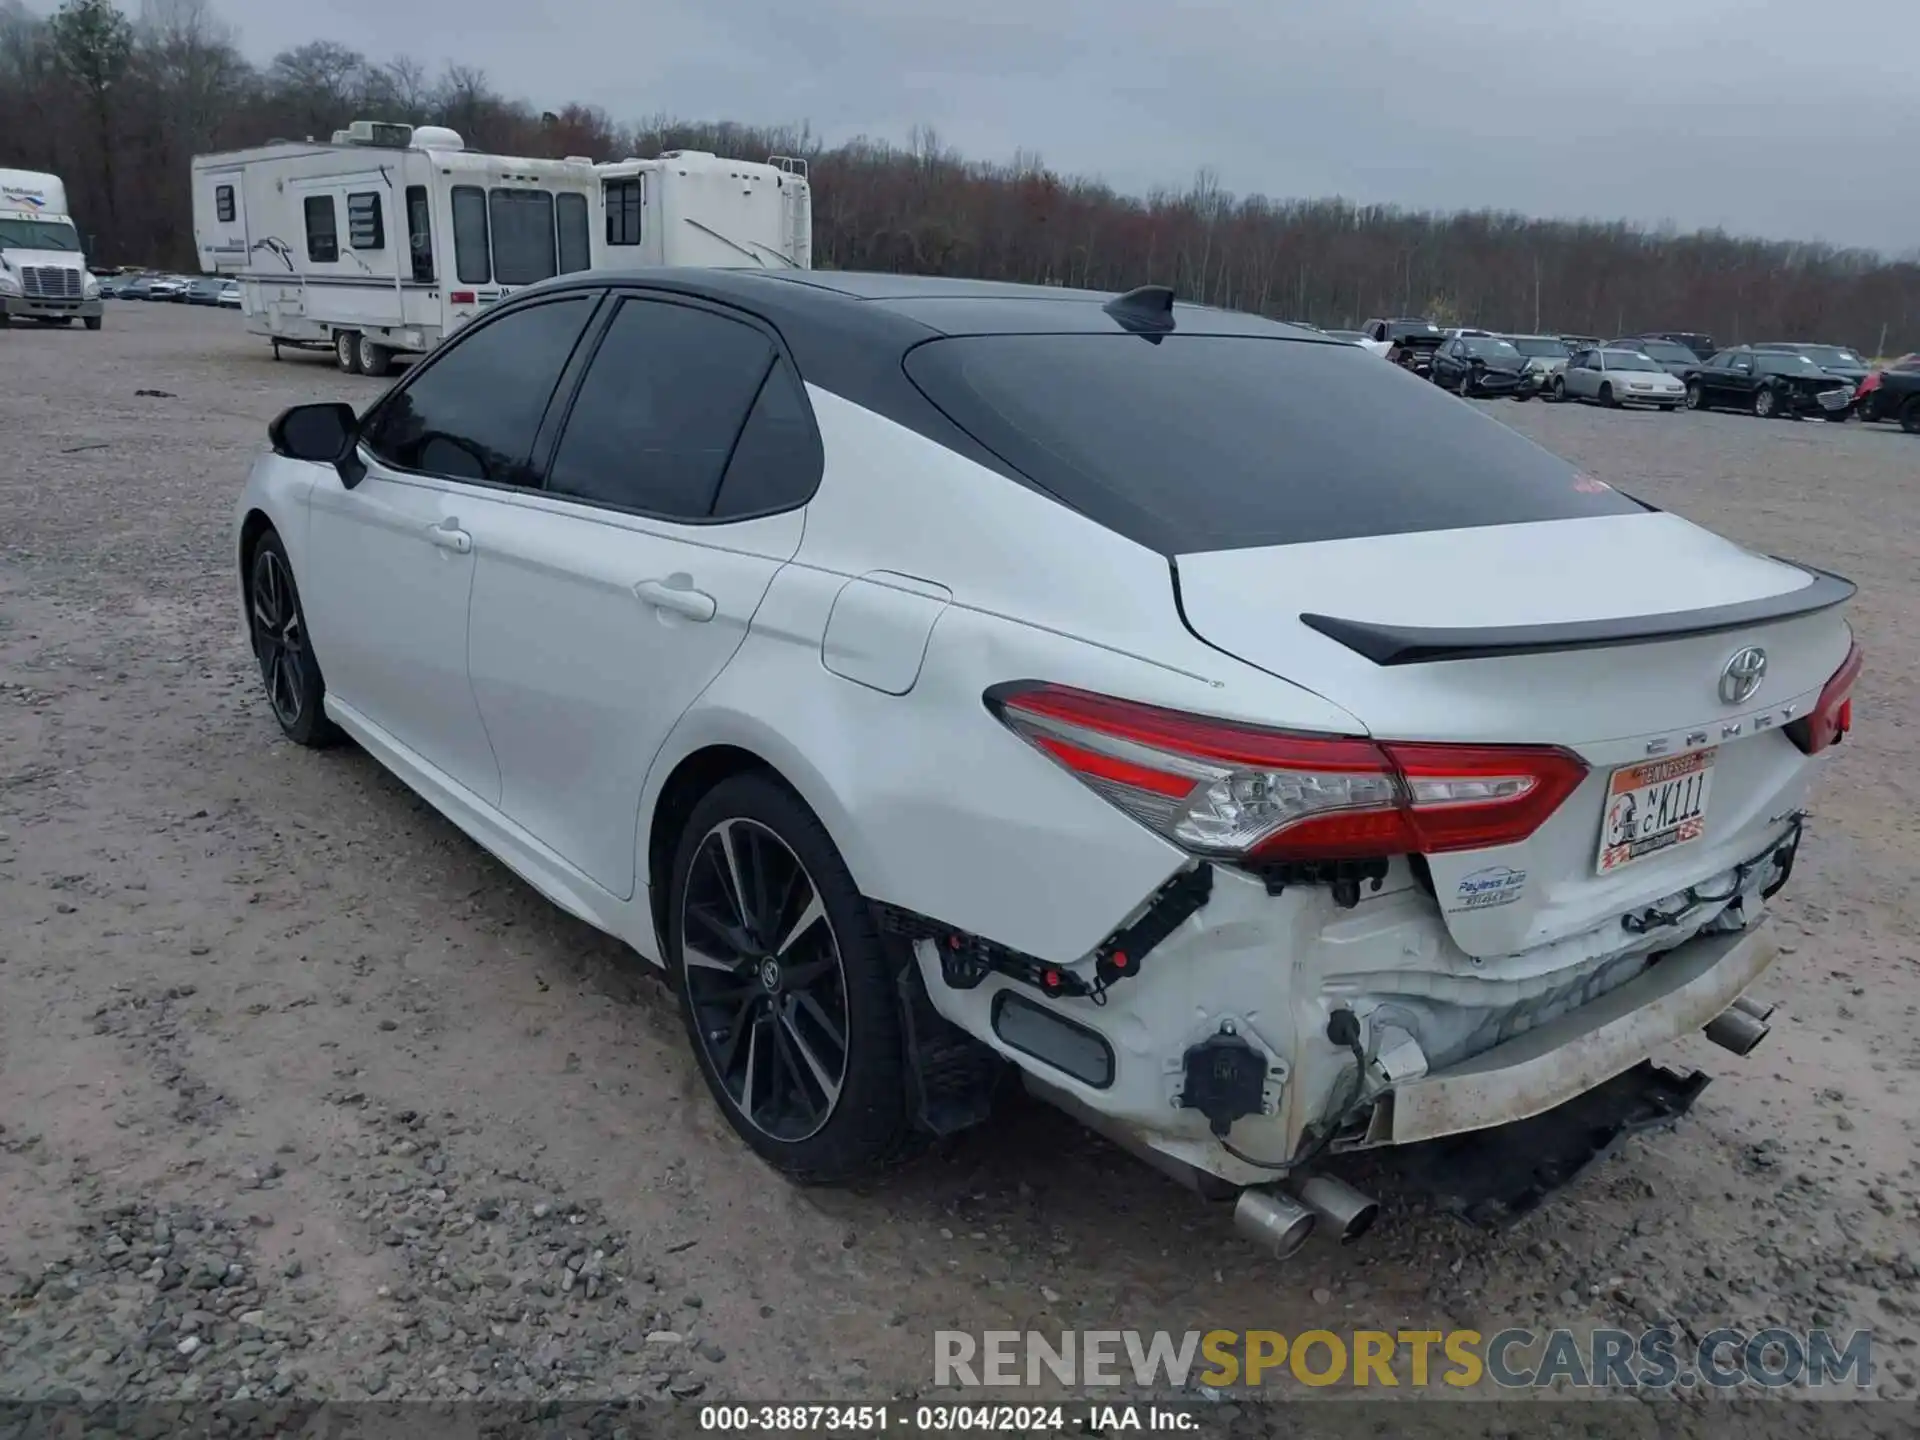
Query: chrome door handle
<point x="451" y="537"/>
<point x="681" y="599"/>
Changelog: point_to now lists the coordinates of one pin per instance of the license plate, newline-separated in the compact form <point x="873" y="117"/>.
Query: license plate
<point x="1654" y="806"/>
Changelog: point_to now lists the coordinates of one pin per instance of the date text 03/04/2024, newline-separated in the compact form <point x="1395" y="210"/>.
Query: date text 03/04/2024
<point x="1002" y="1419"/>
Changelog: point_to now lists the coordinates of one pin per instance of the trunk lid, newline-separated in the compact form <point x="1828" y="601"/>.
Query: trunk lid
<point x="1608" y="635"/>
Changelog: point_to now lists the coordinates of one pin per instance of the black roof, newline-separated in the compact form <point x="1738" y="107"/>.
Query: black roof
<point x="910" y="308"/>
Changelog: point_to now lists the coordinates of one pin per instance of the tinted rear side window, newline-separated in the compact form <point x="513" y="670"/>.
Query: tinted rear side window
<point x="777" y="460"/>
<point x="1203" y="443"/>
<point x="659" y="410"/>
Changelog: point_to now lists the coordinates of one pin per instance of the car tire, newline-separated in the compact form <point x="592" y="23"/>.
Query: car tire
<point x="1910" y="416"/>
<point x="1606" y="397"/>
<point x="374" y="358"/>
<point x="1766" y="404"/>
<point x="1559" y="389"/>
<point x="818" y="1111"/>
<point x="277" y="627"/>
<point x="346" y="351"/>
<point x="92" y="322"/>
<point x="1696" y="397"/>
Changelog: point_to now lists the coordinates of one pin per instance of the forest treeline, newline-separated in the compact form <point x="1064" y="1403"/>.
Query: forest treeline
<point x="117" y="103"/>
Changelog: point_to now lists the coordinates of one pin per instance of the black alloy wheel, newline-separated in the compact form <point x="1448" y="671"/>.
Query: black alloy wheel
<point x="788" y="991"/>
<point x="278" y="629"/>
<point x="763" y="975"/>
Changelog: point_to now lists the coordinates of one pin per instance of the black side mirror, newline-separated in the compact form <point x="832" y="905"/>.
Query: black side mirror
<point x="325" y="434"/>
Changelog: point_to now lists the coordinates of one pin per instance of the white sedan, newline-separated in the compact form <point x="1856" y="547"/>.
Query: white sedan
<point x="1261" y="752"/>
<point x="1619" y="377"/>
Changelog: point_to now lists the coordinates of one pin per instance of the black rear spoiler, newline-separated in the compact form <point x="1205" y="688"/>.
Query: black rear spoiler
<point x="1421" y="645"/>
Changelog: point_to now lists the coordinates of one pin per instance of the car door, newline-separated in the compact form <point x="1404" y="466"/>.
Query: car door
<point x="1442" y="369"/>
<point x="1580" y="376"/>
<point x="392" y="566"/>
<point x="603" y="606"/>
<point x="1740" y="378"/>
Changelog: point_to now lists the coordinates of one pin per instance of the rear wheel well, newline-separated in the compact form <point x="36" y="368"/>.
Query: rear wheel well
<point x="693" y="777"/>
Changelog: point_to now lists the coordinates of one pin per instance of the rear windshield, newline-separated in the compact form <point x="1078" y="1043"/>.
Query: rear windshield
<point x="1200" y="442"/>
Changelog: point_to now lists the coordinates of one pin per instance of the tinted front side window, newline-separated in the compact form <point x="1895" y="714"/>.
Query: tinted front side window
<point x="1210" y="443"/>
<point x="472" y="412"/>
<point x="472" y="259"/>
<point x="522" y="225"/>
<point x="659" y="410"/>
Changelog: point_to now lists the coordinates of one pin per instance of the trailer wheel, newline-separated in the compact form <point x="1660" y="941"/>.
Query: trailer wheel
<point x="346" y="351"/>
<point x="276" y="348"/>
<point x="374" y="358"/>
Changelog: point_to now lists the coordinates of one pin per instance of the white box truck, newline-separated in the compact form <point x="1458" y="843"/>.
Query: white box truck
<point x="388" y="238"/>
<point x="43" y="270"/>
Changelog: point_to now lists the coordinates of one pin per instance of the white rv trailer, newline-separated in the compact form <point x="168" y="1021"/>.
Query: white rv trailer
<point x="389" y="238"/>
<point x="690" y="207"/>
<point x="386" y="239"/>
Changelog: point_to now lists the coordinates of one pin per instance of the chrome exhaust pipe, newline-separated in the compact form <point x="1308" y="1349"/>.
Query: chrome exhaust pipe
<point x="1736" y="1030"/>
<point x="1761" y="1010"/>
<point x="1273" y="1220"/>
<point x="1343" y="1209"/>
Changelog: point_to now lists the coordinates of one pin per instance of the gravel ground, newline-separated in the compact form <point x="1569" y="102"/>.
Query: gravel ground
<point x="302" y="1095"/>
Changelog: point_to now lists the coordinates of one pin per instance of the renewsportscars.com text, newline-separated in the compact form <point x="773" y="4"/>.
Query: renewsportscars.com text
<point x="1514" y="1359"/>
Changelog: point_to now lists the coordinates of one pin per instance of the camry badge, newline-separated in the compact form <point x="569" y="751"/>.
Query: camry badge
<point x="1742" y="675"/>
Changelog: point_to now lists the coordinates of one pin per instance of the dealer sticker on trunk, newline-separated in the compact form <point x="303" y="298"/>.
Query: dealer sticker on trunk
<point x="1655" y="806"/>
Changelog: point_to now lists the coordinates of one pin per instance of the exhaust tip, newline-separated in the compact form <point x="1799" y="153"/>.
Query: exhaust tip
<point x="1736" y="1030"/>
<point x="1761" y="1010"/>
<point x="1345" y="1211"/>
<point x="1273" y="1220"/>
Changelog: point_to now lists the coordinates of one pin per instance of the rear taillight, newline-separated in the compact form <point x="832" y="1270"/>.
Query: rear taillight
<point x="1219" y="788"/>
<point x="1831" y="718"/>
<point x="461" y="297"/>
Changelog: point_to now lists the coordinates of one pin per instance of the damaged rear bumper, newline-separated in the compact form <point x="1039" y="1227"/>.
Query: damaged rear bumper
<point x="1553" y="1063"/>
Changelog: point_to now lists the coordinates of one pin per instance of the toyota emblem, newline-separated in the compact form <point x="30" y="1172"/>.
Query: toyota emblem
<point x="1742" y="675"/>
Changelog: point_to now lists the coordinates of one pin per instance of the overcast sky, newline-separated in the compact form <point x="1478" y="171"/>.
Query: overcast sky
<point x="1761" y="116"/>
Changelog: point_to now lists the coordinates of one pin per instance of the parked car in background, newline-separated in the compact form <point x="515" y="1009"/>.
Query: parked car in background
<point x="1834" y="359"/>
<point x="1407" y="342"/>
<point x="1864" y="405"/>
<point x="1547" y="356"/>
<point x="1701" y="345"/>
<point x="1352" y="337"/>
<point x="166" y="287"/>
<point x="1892" y="394"/>
<point x="1609" y="376"/>
<point x="1769" y="383"/>
<point x="1670" y="355"/>
<point x="107" y="286"/>
<point x="205" y="290"/>
<point x="229" y="297"/>
<point x="1576" y="343"/>
<point x="1483" y="366"/>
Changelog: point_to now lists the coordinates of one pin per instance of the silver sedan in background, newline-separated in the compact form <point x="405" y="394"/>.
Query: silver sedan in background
<point x="1618" y="377"/>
